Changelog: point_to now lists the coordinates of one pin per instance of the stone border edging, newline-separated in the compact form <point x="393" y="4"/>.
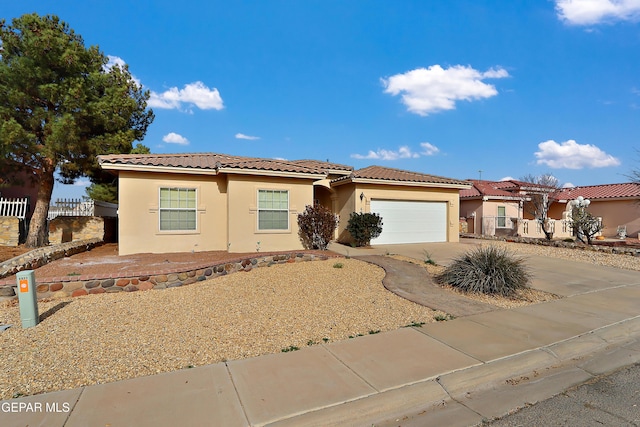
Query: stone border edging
<point x="558" y="244"/>
<point x="62" y="287"/>
<point x="41" y="256"/>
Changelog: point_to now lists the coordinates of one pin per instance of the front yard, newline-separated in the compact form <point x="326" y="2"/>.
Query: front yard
<point x="111" y="337"/>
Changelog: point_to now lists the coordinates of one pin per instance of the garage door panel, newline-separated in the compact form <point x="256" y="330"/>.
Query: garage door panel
<point x="410" y="221"/>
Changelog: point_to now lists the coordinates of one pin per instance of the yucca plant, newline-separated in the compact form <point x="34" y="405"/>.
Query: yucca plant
<point x="487" y="270"/>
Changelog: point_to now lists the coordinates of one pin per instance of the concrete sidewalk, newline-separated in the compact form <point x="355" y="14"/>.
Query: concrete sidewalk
<point x="451" y="373"/>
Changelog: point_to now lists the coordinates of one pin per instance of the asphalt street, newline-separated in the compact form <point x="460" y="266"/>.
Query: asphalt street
<point x="611" y="400"/>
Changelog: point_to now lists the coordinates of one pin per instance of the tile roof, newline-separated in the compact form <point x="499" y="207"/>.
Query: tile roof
<point x="210" y="161"/>
<point x="325" y="166"/>
<point x="389" y="174"/>
<point x="509" y="189"/>
<point x="604" y="191"/>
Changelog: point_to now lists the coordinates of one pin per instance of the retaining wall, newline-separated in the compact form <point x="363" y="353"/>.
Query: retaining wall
<point x="9" y="230"/>
<point x="62" y="287"/>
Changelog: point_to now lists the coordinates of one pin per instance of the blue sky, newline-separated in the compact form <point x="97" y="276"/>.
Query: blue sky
<point x="442" y="87"/>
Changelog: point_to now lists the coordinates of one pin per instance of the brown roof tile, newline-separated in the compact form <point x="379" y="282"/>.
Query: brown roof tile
<point x="390" y="174"/>
<point x="326" y="166"/>
<point x="604" y="191"/>
<point x="210" y="161"/>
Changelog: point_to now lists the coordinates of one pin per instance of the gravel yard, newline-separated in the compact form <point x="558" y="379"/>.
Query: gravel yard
<point x="111" y="337"/>
<point x="591" y="257"/>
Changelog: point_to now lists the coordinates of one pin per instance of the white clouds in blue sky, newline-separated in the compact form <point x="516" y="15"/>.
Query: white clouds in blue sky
<point x="571" y="155"/>
<point x="247" y="137"/>
<point x="591" y="12"/>
<point x="430" y="90"/>
<point x="403" y="152"/>
<point x="175" y="138"/>
<point x="196" y="93"/>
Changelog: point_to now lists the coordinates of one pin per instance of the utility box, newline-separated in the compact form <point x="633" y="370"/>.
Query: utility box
<point x="27" y="298"/>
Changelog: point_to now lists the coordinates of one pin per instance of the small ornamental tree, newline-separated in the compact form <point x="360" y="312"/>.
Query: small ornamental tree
<point x="585" y="225"/>
<point x="363" y="227"/>
<point x="316" y="227"/>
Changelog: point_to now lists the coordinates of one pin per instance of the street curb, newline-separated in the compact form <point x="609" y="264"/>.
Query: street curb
<point x="476" y="394"/>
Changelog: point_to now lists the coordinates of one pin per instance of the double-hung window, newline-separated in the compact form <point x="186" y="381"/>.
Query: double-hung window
<point x="177" y="209"/>
<point x="501" y="219"/>
<point x="273" y="209"/>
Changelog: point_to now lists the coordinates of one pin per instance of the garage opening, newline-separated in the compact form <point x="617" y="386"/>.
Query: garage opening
<point x="410" y="221"/>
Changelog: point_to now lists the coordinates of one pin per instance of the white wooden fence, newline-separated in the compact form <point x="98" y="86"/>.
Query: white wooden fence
<point x="14" y="207"/>
<point x="71" y="207"/>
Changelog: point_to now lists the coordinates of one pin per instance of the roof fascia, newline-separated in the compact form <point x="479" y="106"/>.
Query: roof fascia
<point x="149" y="168"/>
<point x="403" y="183"/>
<point x="239" y="171"/>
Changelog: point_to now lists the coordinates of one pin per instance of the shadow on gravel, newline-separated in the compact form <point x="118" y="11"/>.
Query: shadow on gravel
<point x="53" y="310"/>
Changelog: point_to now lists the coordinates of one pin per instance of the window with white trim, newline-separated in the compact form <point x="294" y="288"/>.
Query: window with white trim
<point x="501" y="219"/>
<point x="177" y="209"/>
<point x="273" y="209"/>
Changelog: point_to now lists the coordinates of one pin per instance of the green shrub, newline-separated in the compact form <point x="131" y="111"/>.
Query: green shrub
<point x="487" y="270"/>
<point x="338" y="265"/>
<point x="316" y="226"/>
<point x="363" y="227"/>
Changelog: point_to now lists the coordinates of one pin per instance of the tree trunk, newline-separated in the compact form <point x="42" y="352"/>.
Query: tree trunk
<point x="38" y="235"/>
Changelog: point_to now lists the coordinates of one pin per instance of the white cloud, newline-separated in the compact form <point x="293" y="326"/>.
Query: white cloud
<point x="589" y="12"/>
<point x="116" y="60"/>
<point x="403" y="152"/>
<point x="507" y="178"/>
<point x="243" y="136"/>
<point x="174" y="138"/>
<point x="430" y="90"/>
<point x="429" y="149"/>
<point x="568" y="185"/>
<point x="571" y="155"/>
<point x="192" y="94"/>
<point x="82" y="182"/>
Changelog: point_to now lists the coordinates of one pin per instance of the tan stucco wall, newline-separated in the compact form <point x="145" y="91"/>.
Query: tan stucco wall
<point x="349" y="201"/>
<point x="243" y="213"/>
<point x="613" y="214"/>
<point x="139" y="229"/>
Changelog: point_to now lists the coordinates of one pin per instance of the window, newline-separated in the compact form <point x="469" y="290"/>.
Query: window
<point x="177" y="209"/>
<point x="273" y="210"/>
<point x="501" y="220"/>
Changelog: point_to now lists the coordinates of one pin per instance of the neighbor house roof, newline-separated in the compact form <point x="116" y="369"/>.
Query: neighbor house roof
<point x="504" y="190"/>
<point x="627" y="190"/>
<point x="328" y="167"/>
<point x="384" y="175"/>
<point x="207" y="163"/>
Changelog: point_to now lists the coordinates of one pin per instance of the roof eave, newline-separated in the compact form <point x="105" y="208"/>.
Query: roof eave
<point x="151" y="168"/>
<point x="404" y="183"/>
<point x="263" y="172"/>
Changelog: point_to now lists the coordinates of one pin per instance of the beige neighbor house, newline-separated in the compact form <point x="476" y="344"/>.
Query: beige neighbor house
<point x="498" y="208"/>
<point x="207" y="202"/>
<point x="617" y="204"/>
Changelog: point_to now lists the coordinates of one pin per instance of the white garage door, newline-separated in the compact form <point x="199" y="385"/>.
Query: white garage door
<point x="410" y="221"/>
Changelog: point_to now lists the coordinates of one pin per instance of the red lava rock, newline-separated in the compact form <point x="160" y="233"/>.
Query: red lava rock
<point x="78" y="292"/>
<point x="122" y="282"/>
<point x="54" y="287"/>
<point x="42" y="288"/>
<point x="145" y="286"/>
<point x="134" y="281"/>
<point x="97" y="291"/>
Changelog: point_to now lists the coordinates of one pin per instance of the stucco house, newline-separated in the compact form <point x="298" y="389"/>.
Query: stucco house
<point x="208" y="201"/>
<point x="617" y="204"/>
<point x="497" y="208"/>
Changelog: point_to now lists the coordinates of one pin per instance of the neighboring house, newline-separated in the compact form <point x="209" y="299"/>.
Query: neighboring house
<point x="204" y="202"/>
<point x="617" y="204"/>
<point x="496" y="208"/>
